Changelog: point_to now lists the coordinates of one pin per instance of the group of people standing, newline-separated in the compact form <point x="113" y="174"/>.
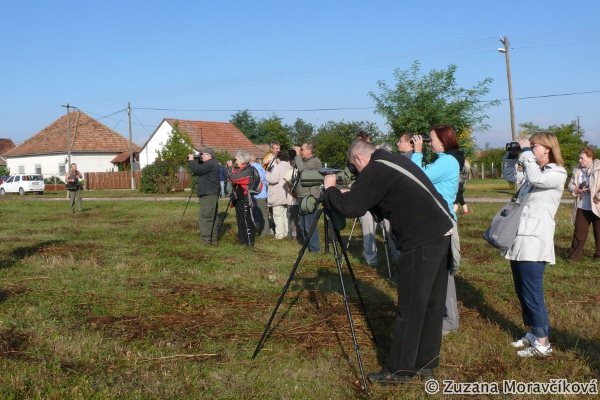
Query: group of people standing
<point x="419" y="201"/>
<point x="263" y="194"/>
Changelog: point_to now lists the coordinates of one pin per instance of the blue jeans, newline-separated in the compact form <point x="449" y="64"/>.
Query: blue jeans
<point x="306" y="222"/>
<point x="528" y="277"/>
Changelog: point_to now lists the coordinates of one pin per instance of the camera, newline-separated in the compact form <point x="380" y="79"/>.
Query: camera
<point x="426" y="139"/>
<point x="513" y="146"/>
<point x="198" y="158"/>
<point x="583" y="185"/>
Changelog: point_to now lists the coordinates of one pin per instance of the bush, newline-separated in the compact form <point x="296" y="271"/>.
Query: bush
<point x="156" y="178"/>
<point x="53" y="180"/>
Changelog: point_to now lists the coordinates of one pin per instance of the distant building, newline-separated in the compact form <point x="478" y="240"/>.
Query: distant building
<point x="221" y="136"/>
<point x="94" y="147"/>
<point x="5" y="145"/>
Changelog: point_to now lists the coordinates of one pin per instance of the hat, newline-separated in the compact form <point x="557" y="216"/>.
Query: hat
<point x="208" y="150"/>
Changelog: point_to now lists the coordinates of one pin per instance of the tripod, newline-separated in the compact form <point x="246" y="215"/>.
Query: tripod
<point x="386" y="244"/>
<point x="186" y="205"/>
<point x="337" y="247"/>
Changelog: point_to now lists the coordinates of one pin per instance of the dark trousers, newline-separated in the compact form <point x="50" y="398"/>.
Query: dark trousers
<point x="243" y="216"/>
<point x="417" y="332"/>
<point x="306" y="222"/>
<point x="261" y="217"/>
<point x="583" y="219"/>
<point x="528" y="277"/>
<point x="207" y="219"/>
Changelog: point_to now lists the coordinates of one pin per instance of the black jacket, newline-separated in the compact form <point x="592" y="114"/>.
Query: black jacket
<point x="208" y="177"/>
<point x="415" y="218"/>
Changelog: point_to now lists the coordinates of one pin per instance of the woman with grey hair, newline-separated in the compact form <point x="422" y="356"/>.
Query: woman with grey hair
<point x="240" y="176"/>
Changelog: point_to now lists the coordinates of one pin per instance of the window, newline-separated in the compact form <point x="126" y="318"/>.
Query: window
<point x="62" y="170"/>
<point x="21" y="169"/>
<point x="38" y="168"/>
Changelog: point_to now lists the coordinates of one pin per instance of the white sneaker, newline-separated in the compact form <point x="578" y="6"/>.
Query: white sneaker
<point x="526" y="340"/>
<point x="536" y="349"/>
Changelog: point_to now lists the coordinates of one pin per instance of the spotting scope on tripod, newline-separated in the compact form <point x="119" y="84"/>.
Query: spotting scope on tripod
<point x="333" y="223"/>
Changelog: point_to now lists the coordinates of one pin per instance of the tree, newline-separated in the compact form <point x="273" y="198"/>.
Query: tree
<point x="333" y="139"/>
<point x="163" y="176"/>
<point x="301" y="132"/>
<point x="4" y="171"/>
<point x="272" y="129"/>
<point x="246" y="123"/>
<point x="417" y="102"/>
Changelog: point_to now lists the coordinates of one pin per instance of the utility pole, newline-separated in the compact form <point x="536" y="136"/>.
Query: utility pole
<point x="130" y="147"/>
<point x="68" y="107"/>
<point x="505" y="50"/>
<point x="578" y="131"/>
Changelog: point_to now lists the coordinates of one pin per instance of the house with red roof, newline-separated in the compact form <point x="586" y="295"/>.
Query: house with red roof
<point x="5" y="145"/>
<point x="221" y="136"/>
<point x="92" y="145"/>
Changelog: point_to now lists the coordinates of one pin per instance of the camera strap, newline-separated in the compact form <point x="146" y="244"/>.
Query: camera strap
<point x="407" y="173"/>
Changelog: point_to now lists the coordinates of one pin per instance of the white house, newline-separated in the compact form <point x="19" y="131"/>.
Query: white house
<point x="221" y="136"/>
<point x="93" y="146"/>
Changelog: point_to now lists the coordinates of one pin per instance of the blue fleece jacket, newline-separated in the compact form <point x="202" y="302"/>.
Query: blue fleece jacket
<point x="443" y="173"/>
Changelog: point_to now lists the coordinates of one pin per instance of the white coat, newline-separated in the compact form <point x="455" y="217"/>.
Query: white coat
<point x="277" y="195"/>
<point x="540" y="196"/>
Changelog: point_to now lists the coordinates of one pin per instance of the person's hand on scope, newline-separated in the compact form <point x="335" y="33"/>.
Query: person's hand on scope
<point x="329" y="180"/>
<point x="417" y="143"/>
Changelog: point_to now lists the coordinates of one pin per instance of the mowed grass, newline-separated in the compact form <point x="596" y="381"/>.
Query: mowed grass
<point x="121" y="301"/>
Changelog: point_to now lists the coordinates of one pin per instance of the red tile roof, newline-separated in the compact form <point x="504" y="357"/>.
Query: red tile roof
<point x="221" y="136"/>
<point x="87" y="136"/>
<point x="6" y="145"/>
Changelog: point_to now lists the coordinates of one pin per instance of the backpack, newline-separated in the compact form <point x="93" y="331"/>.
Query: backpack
<point x="255" y="186"/>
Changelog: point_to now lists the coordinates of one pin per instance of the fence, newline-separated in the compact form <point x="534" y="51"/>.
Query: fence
<point x="122" y="180"/>
<point x="110" y="180"/>
<point x="483" y="171"/>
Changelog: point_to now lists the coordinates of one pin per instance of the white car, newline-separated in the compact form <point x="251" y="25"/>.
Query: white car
<point x="23" y="183"/>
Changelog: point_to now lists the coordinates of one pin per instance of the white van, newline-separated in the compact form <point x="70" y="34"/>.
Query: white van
<point x="23" y="183"/>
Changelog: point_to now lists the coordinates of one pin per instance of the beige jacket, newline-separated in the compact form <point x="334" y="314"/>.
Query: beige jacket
<point x="594" y="188"/>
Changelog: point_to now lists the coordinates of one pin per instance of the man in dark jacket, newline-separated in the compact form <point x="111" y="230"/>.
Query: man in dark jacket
<point x="420" y="231"/>
<point x="208" y="188"/>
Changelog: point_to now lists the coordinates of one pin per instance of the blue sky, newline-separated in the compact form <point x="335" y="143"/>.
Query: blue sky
<point x="283" y="55"/>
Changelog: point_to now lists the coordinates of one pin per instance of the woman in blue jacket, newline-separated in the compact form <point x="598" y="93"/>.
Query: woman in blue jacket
<point x="443" y="173"/>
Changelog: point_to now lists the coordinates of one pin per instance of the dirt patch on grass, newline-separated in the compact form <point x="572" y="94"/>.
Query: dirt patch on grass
<point x="312" y="320"/>
<point x="10" y="291"/>
<point x="13" y="343"/>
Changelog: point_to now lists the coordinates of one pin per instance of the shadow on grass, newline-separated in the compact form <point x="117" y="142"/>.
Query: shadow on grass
<point x="25" y="251"/>
<point x="379" y="311"/>
<point x="587" y="349"/>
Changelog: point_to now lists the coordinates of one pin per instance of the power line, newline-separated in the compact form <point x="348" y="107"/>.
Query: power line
<point x="342" y="108"/>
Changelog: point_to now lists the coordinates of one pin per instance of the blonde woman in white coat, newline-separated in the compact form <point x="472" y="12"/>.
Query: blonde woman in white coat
<point x="542" y="179"/>
<point x="585" y="185"/>
<point x="277" y="194"/>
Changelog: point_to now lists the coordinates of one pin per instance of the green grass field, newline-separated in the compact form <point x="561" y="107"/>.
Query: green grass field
<point x="121" y="301"/>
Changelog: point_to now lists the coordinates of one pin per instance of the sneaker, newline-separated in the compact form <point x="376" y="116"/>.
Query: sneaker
<point x="535" y="349"/>
<point x="525" y="341"/>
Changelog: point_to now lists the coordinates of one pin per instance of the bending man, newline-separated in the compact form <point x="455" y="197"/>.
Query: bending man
<point x="420" y="229"/>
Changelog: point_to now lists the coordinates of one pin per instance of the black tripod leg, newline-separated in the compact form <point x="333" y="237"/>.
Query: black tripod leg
<point x="386" y="247"/>
<point x="354" y="282"/>
<point x="186" y="206"/>
<point x="287" y="284"/>
<point x="338" y="262"/>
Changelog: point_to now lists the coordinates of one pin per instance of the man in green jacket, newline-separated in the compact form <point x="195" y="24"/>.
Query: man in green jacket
<point x="306" y="160"/>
